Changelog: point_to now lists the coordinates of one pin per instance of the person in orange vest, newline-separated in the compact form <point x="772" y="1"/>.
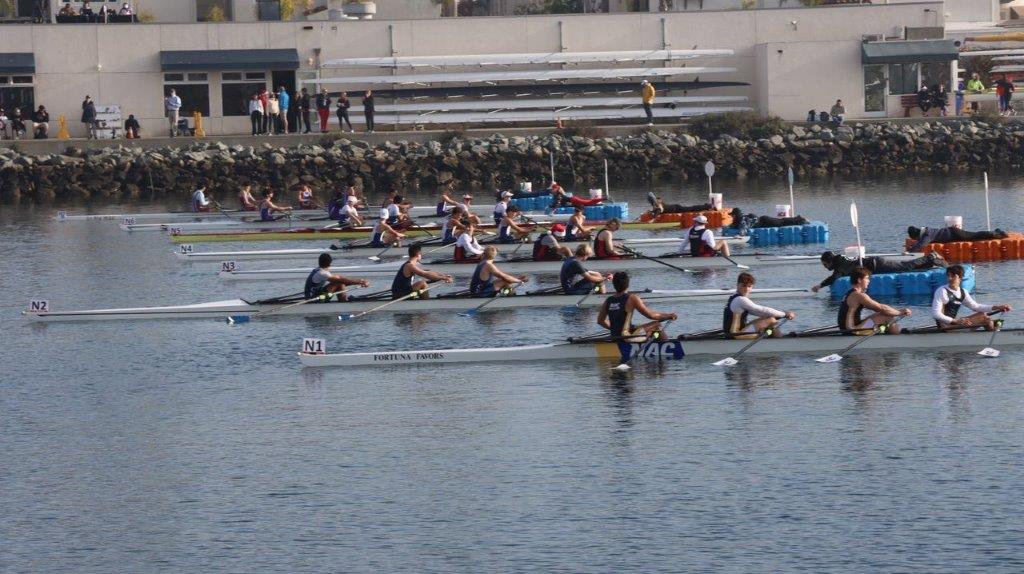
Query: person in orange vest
<point x="647" y="97"/>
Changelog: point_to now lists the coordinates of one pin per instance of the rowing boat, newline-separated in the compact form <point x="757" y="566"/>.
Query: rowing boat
<point x="184" y="216"/>
<point x="229" y="270"/>
<point x="317" y="233"/>
<point x="240" y="307"/>
<point x="285" y="223"/>
<point x="314" y="355"/>
<point x="187" y="253"/>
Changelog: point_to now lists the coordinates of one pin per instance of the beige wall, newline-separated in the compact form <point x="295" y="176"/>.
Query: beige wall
<point x="820" y="60"/>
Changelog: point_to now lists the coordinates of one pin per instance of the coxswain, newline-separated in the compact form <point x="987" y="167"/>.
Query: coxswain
<point x="383" y="234"/>
<point x="575" y="278"/>
<point x="488" y="279"/>
<point x="547" y="248"/>
<point x="502" y="206"/>
<point x="948" y="299"/>
<point x="322" y="282"/>
<point x="306" y="198"/>
<point x="857" y="300"/>
<point x="467" y="207"/>
<point x="467" y="248"/>
<point x="246" y="202"/>
<point x="454" y="226"/>
<point x="700" y="241"/>
<point x="509" y="231"/>
<point x="403" y="283"/>
<point x="923" y="236"/>
<point x="200" y="203"/>
<point x="268" y="208"/>
<point x="739" y="308"/>
<point x="841" y="265"/>
<point x="575" y="228"/>
<point x="343" y="210"/>
<point x="616" y="313"/>
<point x="604" y="246"/>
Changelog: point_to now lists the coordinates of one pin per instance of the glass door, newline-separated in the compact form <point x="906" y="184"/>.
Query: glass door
<point x="874" y="90"/>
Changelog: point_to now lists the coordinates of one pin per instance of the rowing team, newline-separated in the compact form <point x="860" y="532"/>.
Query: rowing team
<point x="742" y="317"/>
<point x="203" y="202"/>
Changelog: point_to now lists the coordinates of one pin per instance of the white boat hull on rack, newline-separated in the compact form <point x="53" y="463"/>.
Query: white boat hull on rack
<point x="239" y="307"/>
<point x="669" y="349"/>
<point x="604" y="265"/>
<point x="186" y="252"/>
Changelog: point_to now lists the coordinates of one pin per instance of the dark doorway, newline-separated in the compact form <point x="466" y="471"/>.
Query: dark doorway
<point x="287" y="80"/>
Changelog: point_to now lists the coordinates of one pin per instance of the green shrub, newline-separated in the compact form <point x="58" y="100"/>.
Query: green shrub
<point x="742" y="125"/>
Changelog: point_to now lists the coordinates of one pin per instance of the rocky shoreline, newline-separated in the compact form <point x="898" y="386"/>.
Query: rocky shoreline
<point x="499" y="162"/>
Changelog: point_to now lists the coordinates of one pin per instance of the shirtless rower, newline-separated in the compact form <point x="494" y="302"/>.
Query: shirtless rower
<point x="857" y="300"/>
<point x="404" y="284"/>
<point x="547" y="248"/>
<point x="511" y="232"/>
<point x="575" y="228"/>
<point x="343" y="210"/>
<point x="948" y="299"/>
<point x="700" y="241"/>
<point x="616" y="313"/>
<point x="739" y="307"/>
<point x="488" y="279"/>
<point x="200" y="203"/>
<point x="604" y="246"/>
<point x="575" y="278"/>
<point x="246" y="202"/>
<point x="268" y="208"/>
<point x="321" y="281"/>
<point x="467" y="248"/>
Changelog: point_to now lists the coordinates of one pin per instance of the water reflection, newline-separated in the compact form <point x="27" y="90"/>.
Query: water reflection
<point x="750" y="374"/>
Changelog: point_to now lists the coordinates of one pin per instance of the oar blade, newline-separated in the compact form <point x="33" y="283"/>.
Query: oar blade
<point x="234" y="319"/>
<point x="833" y="358"/>
<point x="373" y="258"/>
<point x="570" y="309"/>
<point x="346" y="317"/>
<point x="468" y="313"/>
<point x="989" y="352"/>
<point x="726" y="362"/>
<point x="622" y="367"/>
<point x="741" y="266"/>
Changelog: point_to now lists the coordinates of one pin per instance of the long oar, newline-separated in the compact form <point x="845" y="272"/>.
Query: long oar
<point x="246" y="318"/>
<point x="988" y="216"/>
<point x="836" y="357"/>
<point x="379" y="307"/>
<point x="376" y="257"/>
<point x="656" y="260"/>
<point x="571" y="308"/>
<point x="792" y="202"/>
<point x="854" y="219"/>
<point x="502" y="293"/>
<point x="989" y="351"/>
<point x="734" y="262"/>
<point x="730" y="361"/>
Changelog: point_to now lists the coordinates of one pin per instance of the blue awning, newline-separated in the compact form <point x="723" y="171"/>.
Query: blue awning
<point x="214" y="60"/>
<point x="908" y="52"/>
<point x="17" y="63"/>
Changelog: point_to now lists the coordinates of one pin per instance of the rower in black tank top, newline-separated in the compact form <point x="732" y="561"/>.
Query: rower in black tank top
<point x="733" y="323"/>
<point x="849" y="317"/>
<point x="401" y="285"/>
<point x="618" y="317"/>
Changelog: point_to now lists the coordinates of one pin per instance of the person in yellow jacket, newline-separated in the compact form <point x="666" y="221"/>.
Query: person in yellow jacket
<point x="647" y="96"/>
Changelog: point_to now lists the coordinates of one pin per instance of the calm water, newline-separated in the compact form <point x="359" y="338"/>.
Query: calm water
<point x="194" y="446"/>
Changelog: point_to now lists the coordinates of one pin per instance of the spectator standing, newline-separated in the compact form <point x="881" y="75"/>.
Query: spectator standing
<point x="256" y="114"/>
<point x="1004" y="89"/>
<point x="41" y="123"/>
<point x="284" y="100"/>
<point x="940" y="97"/>
<point x="172" y="107"/>
<point x="323" y="109"/>
<point x="4" y="122"/>
<point x="924" y="100"/>
<point x="368" y="110"/>
<point x="273" y="114"/>
<point x="974" y="86"/>
<point x="343" y="105"/>
<point x="265" y="101"/>
<point x="304" y="107"/>
<point x="647" y="93"/>
<point x="132" y="129"/>
<point x="959" y="99"/>
<point x="838" y="113"/>
<point x="89" y="117"/>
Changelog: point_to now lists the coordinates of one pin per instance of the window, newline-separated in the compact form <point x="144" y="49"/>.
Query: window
<point x="268" y="10"/>
<point x="193" y="91"/>
<point x="903" y="78"/>
<point x="213" y="10"/>
<point x="237" y="88"/>
<point x="934" y="73"/>
<point x="17" y="92"/>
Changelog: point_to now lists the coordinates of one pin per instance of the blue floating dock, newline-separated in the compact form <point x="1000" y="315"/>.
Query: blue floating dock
<point x="813" y="232"/>
<point x="598" y="212"/>
<point x="905" y="284"/>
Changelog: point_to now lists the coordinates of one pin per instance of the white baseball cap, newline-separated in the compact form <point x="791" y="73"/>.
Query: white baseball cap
<point x="700" y="219"/>
<point x="506" y="194"/>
